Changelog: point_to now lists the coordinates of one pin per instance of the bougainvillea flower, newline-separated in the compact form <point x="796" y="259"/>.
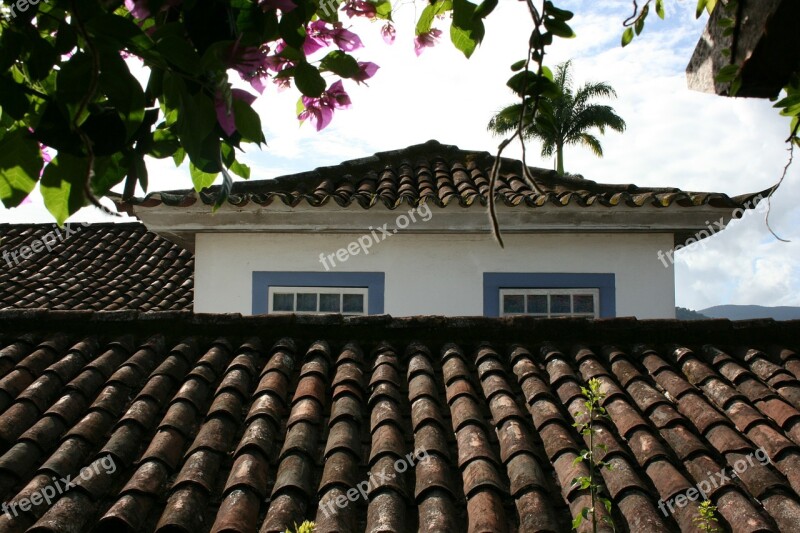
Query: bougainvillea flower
<point x="360" y="8"/>
<point x="320" y="110"/>
<point x="284" y="5"/>
<point x="320" y="34"/>
<point x="225" y="115"/>
<point x="427" y="39"/>
<point x="389" y="33"/>
<point x="367" y="69"/>
<point x="251" y="62"/>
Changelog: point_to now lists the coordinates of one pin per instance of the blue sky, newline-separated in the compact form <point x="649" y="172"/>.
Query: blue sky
<point x="675" y="137"/>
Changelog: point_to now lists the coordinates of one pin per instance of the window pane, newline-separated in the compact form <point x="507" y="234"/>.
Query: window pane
<point x="353" y="303"/>
<point x="306" y="303"/>
<point x="282" y="301"/>
<point x="329" y="303"/>
<point x="559" y="303"/>
<point x="513" y="303"/>
<point x="537" y="303"/>
<point x="583" y="303"/>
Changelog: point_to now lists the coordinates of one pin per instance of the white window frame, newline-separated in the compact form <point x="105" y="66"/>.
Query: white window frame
<point x="549" y="293"/>
<point x="317" y="290"/>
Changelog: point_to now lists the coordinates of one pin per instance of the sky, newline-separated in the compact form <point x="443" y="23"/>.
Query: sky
<point x="674" y="138"/>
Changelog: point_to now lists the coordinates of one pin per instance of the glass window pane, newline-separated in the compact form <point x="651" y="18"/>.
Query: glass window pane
<point x="559" y="303"/>
<point x="353" y="303"/>
<point x="513" y="303"/>
<point x="583" y="303"/>
<point x="537" y="303"/>
<point x="329" y="303"/>
<point x="282" y="301"/>
<point x="306" y="303"/>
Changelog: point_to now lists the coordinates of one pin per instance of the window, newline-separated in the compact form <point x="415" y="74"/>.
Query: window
<point x="548" y="294"/>
<point x="318" y="300"/>
<point x="550" y="302"/>
<point x="348" y="293"/>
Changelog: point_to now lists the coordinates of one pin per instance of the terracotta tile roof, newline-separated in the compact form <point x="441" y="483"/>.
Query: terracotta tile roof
<point x="439" y="174"/>
<point x="213" y="429"/>
<point x="103" y="267"/>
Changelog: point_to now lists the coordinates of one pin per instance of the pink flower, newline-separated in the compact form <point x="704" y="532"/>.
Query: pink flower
<point x="320" y="34"/>
<point x="225" y="115"/>
<point x="320" y="110"/>
<point x="284" y="5"/>
<point x="360" y="8"/>
<point x="250" y="62"/>
<point x="427" y="39"/>
<point x="140" y="9"/>
<point x="389" y="33"/>
<point x="367" y="69"/>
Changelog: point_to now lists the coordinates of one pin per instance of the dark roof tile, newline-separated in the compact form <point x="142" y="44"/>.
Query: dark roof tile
<point x="102" y="267"/>
<point x="196" y="441"/>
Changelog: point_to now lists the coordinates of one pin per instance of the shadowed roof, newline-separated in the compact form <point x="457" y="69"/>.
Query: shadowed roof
<point x="228" y="423"/>
<point x="101" y="267"/>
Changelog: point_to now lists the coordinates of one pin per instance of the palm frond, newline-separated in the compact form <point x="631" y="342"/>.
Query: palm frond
<point x="592" y="142"/>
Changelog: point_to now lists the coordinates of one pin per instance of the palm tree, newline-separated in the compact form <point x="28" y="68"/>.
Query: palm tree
<point x="565" y="119"/>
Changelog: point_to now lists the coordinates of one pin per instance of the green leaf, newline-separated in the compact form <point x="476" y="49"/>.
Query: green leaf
<point x="559" y="28"/>
<point x="736" y="84"/>
<point x="62" y="186"/>
<point x="426" y="18"/>
<point x="627" y="36"/>
<point x="560" y="14"/>
<point x="291" y="28"/>
<point x="20" y="164"/>
<point x="308" y="80"/>
<point x="71" y="84"/>
<point x="179" y="51"/>
<point x="41" y="58"/>
<point x="12" y="98"/>
<point x="727" y="73"/>
<point x="108" y="171"/>
<point x="466" y="32"/>
<point x="485" y="8"/>
<point x="639" y="26"/>
<point x="519" y="65"/>
<point x="240" y="169"/>
<point x="196" y="121"/>
<point x="200" y="179"/>
<point x="340" y="63"/>
<point x="114" y="28"/>
<point x="576" y="522"/>
<point x="247" y="122"/>
<point x="122" y="89"/>
<point x="660" y="9"/>
<point x="383" y="9"/>
<point x="708" y="5"/>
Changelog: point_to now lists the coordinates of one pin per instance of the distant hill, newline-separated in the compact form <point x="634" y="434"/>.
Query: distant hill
<point x="744" y="312"/>
<point x="681" y="313"/>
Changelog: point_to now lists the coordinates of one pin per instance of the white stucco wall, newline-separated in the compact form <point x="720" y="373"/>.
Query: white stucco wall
<point x="437" y="274"/>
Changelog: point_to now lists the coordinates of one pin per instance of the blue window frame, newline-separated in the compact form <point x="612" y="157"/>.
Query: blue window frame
<point x="494" y="281"/>
<point x="374" y="282"/>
